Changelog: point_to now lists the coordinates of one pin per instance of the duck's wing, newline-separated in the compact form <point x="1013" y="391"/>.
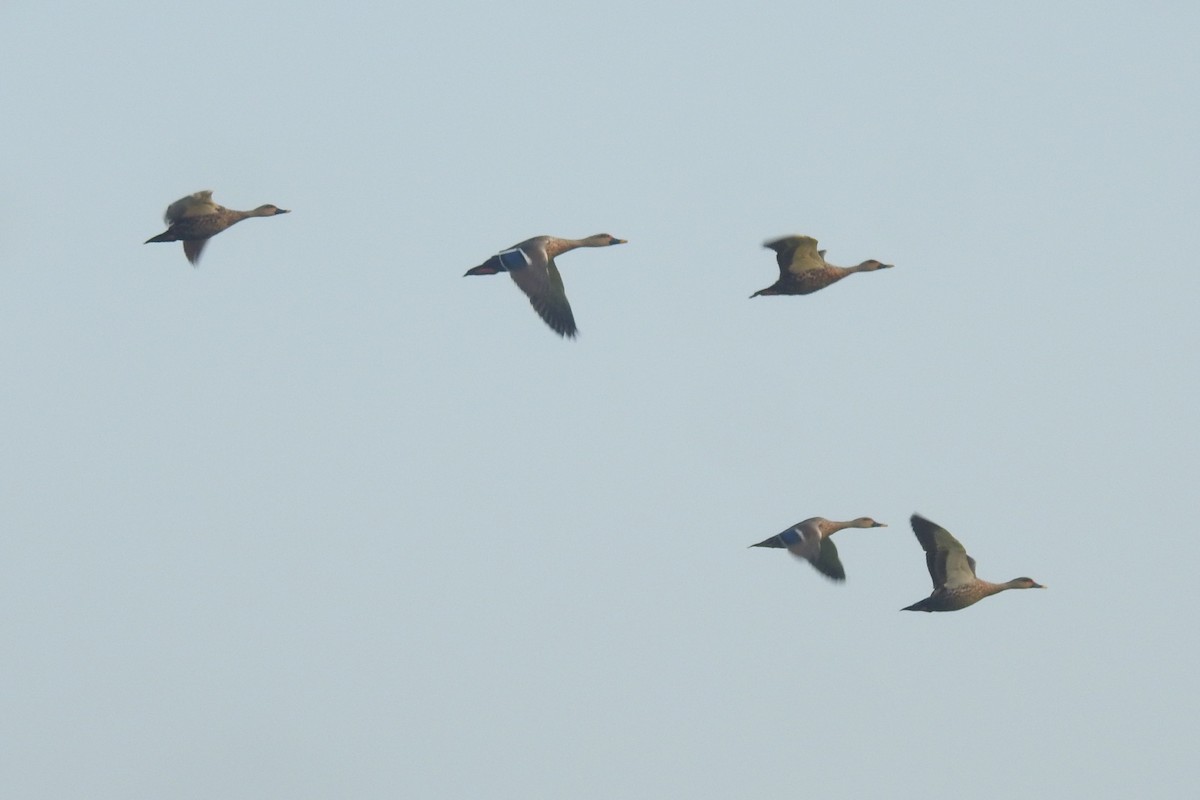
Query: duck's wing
<point x="947" y="560"/>
<point x="802" y="540"/>
<point x="541" y="283"/>
<point x="196" y="204"/>
<point x="796" y="254"/>
<point x="817" y="550"/>
<point x="827" y="562"/>
<point x="192" y="249"/>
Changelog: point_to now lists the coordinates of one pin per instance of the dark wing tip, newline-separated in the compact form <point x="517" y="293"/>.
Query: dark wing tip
<point x="839" y="577"/>
<point x="557" y="315"/>
<point x="921" y="524"/>
<point x="192" y="248"/>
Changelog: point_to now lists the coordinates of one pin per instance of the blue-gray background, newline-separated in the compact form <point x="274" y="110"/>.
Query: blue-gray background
<point x="323" y="518"/>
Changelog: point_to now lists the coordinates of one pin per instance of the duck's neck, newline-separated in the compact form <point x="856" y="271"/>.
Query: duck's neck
<point x="233" y="215"/>
<point x="996" y="588"/>
<point x="261" y="211"/>
<point x="557" y="246"/>
<point x="597" y="240"/>
<point x="832" y="526"/>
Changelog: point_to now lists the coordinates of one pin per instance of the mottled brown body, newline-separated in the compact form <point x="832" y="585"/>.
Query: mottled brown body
<point x="955" y="585"/>
<point x="195" y="219"/>
<point x="803" y="269"/>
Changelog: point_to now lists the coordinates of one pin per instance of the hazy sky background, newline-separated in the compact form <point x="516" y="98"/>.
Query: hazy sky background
<point x="323" y="518"/>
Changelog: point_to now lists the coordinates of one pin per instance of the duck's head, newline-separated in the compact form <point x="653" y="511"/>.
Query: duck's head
<point x="270" y="210"/>
<point x="870" y="265"/>
<point x="1025" y="583"/>
<point x="607" y="240"/>
<point x="867" y="522"/>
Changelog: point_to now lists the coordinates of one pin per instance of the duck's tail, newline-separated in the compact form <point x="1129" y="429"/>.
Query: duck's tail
<point x="165" y="236"/>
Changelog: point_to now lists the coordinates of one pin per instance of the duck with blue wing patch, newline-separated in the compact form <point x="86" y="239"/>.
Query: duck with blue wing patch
<point x="810" y="541"/>
<point x="531" y="266"/>
<point x="513" y="259"/>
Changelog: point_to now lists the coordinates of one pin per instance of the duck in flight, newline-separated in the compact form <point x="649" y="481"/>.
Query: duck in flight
<point x="953" y="571"/>
<point x="810" y="540"/>
<point x="531" y="266"/>
<point x="803" y="269"/>
<point x="195" y="219"/>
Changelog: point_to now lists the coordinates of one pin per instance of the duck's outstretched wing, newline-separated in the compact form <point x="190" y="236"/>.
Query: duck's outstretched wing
<point x="947" y="560"/>
<point x="543" y="285"/>
<point x="796" y="254"/>
<point x="827" y="562"/>
<point x="196" y="204"/>
<point x="192" y="249"/>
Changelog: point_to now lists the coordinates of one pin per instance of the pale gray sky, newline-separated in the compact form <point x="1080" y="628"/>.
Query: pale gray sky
<point x="323" y="518"/>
